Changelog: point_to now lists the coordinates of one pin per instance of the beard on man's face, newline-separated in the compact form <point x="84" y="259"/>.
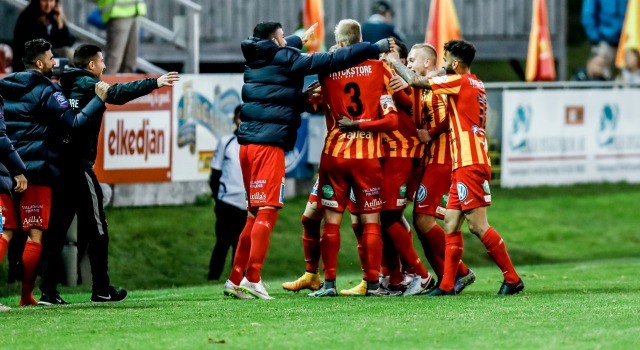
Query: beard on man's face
<point x="48" y="73"/>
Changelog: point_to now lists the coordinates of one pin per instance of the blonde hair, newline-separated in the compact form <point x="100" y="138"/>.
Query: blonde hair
<point x="428" y="48"/>
<point x="348" y="32"/>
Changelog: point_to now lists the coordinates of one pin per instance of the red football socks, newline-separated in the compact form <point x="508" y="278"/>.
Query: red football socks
<point x="329" y="247"/>
<point x="357" y="230"/>
<point x="372" y="243"/>
<point x="402" y="241"/>
<point x="311" y="243"/>
<point x="242" y="252"/>
<point x="433" y="244"/>
<point x="30" y="260"/>
<point x="452" y="254"/>
<point x="260" y="238"/>
<point x="498" y="252"/>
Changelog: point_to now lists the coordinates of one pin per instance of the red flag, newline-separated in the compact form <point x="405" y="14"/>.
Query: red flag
<point x="443" y="25"/>
<point x="540" y="64"/>
<point x="312" y="12"/>
<point x="630" y="36"/>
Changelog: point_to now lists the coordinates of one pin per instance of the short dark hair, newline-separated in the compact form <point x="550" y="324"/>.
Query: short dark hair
<point x="463" y="50"/>
<point x="85" y="54"/>
<point x="381" y="7"/>
<point x="237" y="110"/>
<point x="33" y="50"/>
<point x="265" y="30"/>
<point x="404" y="52"/>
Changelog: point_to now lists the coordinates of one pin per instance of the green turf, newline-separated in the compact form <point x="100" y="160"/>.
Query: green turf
<point x="586" y="305"/>
<point x="160" y="247"/>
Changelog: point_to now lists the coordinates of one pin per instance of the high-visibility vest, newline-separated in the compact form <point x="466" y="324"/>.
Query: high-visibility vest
<point x="121" y="9"/>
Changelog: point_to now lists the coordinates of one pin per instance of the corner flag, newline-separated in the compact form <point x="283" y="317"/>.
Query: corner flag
<point x="442" y="26"/>
<point x="312" y="12"/>
<point x="540" y="65"/>
<point x="630" y="36"/>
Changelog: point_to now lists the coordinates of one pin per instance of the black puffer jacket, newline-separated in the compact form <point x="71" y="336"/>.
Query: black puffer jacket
<point x="78" y="85"/>
<point x="272" y="93"/>
<point x="10" y="162"/>
<point x="38" y="118"/>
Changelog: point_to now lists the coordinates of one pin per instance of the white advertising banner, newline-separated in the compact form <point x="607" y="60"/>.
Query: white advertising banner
<point x="556" y="137"/>
<point x="137" y="140"/>
<point x="203" y="106"/>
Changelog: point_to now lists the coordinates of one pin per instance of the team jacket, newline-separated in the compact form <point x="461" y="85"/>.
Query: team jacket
<point x="79" y="86"/>
<point x="273" y="81"/>
<point x="38" y="119"/>
<point x="10" y="162"/>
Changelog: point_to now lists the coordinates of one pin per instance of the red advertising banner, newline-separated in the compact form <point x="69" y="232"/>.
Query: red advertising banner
<point x="135" y="143"/>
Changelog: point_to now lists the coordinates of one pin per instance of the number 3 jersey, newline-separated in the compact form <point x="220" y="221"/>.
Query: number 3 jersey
<point x="362" y="94"/>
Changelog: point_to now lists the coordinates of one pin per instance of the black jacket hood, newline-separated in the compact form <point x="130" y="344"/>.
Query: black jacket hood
<point x="258" y="52"/>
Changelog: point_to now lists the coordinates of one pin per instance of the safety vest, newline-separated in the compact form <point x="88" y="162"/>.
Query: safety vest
<point x="121" y="9"/>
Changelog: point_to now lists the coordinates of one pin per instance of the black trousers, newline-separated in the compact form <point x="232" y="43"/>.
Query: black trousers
<point x="230" y="221"/>
<point x="79" y="193"/>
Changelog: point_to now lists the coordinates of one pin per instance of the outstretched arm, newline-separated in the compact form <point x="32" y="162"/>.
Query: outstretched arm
<point x="122" y="93"/>
<point x="407" y="74"/>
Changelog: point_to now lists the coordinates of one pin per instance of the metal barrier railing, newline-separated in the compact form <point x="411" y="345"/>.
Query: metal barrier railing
<point x="191" y="44"/>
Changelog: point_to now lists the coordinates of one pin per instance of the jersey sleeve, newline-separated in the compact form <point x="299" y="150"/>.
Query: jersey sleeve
<point x="446" y="84"/>
<point x="216" y="161"/>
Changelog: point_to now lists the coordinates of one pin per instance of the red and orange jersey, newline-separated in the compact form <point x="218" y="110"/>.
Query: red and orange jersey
<point x="467" y="110"/>
<point x="435" y="120"/>
<point x="404" y="142"/>
<point x="361" y="93"/>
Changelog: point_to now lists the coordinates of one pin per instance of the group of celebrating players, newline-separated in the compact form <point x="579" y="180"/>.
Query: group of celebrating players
<point x="399" y="129"/>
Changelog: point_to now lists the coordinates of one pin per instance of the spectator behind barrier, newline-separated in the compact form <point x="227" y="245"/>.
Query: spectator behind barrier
<point x="121" y="19"/>
<point x="42" y="19"/>
<point x="6" y="58"/>
<point x="602" y="21"/>
<point x="380" y="24"/>
<point x="631" y="71"/>
<point x="595" y="69"/>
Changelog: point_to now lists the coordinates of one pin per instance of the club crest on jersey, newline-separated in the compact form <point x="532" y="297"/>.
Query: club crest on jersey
<point x="444" y="200"/>
<point x="440" y="79"/>
<point x="327" y="191"/>
<point x="485" y="187"/>
<point x="403" y="190"/>
<point x="386" y="101"/>
<point x="462" y="191"/>
<point x="62" y="101"/>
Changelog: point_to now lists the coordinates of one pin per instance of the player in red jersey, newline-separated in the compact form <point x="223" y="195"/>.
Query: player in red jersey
<point x="355" y="98"/>
<point x="469" y="195"/>
<point x="432" y="192"/>
<point x="402" y="153"/>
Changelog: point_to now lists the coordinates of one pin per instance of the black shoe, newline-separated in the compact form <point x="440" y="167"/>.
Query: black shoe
<point x="51" y="299"/>
<point x="109" y="295"/>
<point x="437" y="292"/>
<point x="511" y="288"/>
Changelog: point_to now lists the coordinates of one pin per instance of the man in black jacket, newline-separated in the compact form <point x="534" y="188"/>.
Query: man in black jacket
<point x="80" y="192"/>
<point x="274" y="75"/>
<point x="11" y="168"/>
<point x="38" y="118"/>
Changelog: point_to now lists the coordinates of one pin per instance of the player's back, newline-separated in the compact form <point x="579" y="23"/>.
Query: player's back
<point x="359" y="93"/>
<point x="355" y="92"/>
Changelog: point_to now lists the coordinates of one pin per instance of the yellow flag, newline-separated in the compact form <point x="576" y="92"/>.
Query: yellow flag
<point x="312" y="12"/>
<point x="540" y="64"/>
<point x="442" y="26"/>
<point x="630" y="36"/>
